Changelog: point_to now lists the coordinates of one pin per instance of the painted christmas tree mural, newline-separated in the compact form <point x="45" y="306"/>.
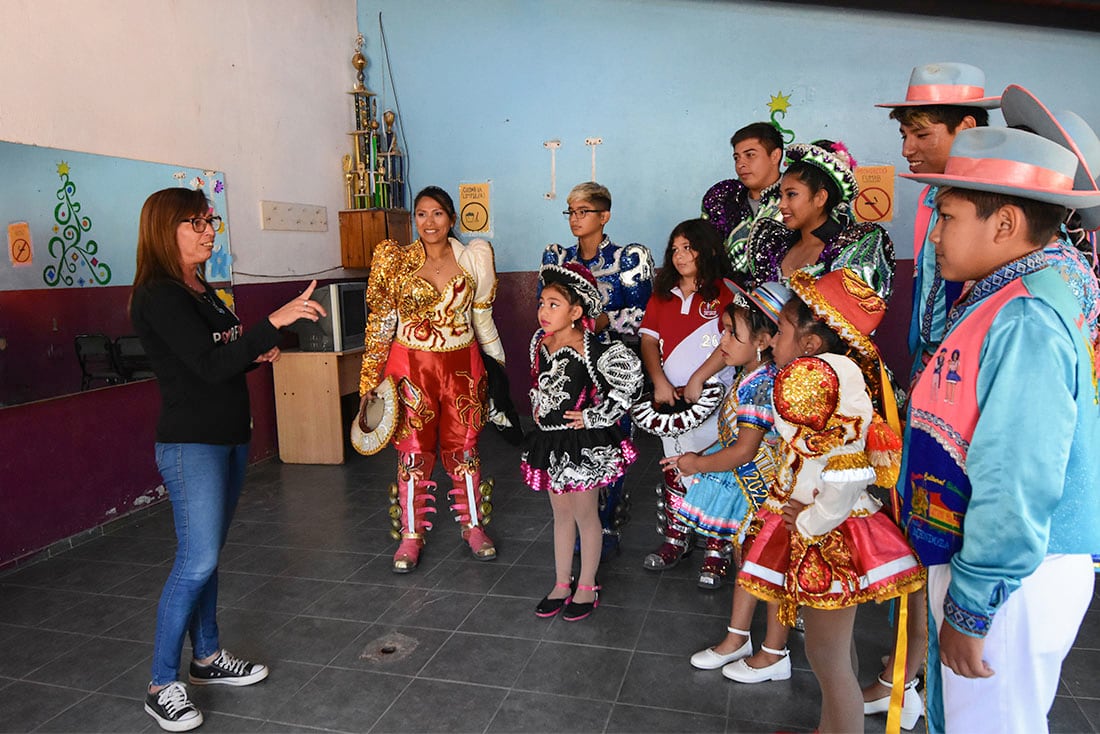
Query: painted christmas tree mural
<point x="76" y="258"/>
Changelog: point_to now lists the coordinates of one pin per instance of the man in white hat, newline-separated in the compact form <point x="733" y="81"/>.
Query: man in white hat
<point x="1005" y="519"/>
<point x="942" y="100"/>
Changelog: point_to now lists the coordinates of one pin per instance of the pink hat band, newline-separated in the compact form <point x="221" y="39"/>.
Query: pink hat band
<point x="943" y="93"/>
<point x="1013" y="173"/>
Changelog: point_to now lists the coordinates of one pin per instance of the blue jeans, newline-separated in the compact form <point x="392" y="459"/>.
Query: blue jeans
<point x="204" y="483"/>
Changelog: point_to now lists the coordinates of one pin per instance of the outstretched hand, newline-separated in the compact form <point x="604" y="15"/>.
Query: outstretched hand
<point x="300" y="308"/>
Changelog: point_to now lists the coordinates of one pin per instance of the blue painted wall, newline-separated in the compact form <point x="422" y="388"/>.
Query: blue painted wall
<point x="482" y="83"/>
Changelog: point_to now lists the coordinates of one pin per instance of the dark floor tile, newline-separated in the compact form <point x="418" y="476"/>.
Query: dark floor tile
<point x="23" y="705"/>
<point x="146" y="584"/>
<point x="607" y="626"/>
<point x="345" y="700"/>
<point x="538" y="553"/>
<point x="456" y="707"/>
<point x="379" y="570"/>
<point x="35" y="649"/>
<point x="249" y="631"/>
<point x="534" y="713"/>
<point x="233" y="587"/>
<point x="473" y="578"/>
<point x="518" y="526"/>
<point x="1090" y="707"/>
<point x="257" y="701"/>
<point x="626" y="589"/>
<point x="507" y="616"/>
<point x="485" y="659"/>
<point x="325" y="565"/>
<point x="683" y="595"/>
<point x="1088" y="635"/>
<point x="522" y="581"/>
<point x="575" y="670"/>
<point x="312" y="639"/>
<point x="678" y="634"/>
<point x="140" y="627"/>
<point x="1066" y="717"/>
<point x="1079" y="673"/>
<point x="29" y="606"/>
<point x="430" y="608"/>
<point x="156" y="523"/>
<point x="131" y="549"/>
<point x="789" y="704"/>
<point x="290" y="596"/>
<point x="358" y="602"/>
<point x="260" y="560"/>
<point x="92" y="663"/>
<point x="215" y="722"/>
<point x="391" y="650"/>
<point x="102" y="713"/>
<point x="678" y="685"/>
<point x="97" y="614"/>
<point x="643" y="720"/>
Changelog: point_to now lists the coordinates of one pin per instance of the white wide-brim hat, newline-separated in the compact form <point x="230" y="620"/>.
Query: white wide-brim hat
<point x="1012" y="162"/>
<point x="373" y="428"/>
<point x="1068" y="129"/>
<point x="670" y="421"/>
<point x="946" y="83"/>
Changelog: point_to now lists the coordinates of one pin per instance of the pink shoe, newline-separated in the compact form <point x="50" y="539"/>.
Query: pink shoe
<point x="480" y="544"/>
<point x="575" y="612"/>
<point x="408" y="555"/>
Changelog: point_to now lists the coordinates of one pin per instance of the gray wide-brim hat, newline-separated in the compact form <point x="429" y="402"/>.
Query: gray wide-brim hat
<point x="1012" y="162"/>
<point x="1068" y="129"/>
<point x="946" y="83"/>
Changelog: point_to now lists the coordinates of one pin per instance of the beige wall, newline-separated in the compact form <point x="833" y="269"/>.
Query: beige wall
<point x="255" y="88"/>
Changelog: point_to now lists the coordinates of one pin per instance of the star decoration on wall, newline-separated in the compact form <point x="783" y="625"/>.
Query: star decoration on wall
<point x="779" y="103"/>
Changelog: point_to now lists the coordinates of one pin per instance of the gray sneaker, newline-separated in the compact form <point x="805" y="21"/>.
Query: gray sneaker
<point x="227" y="670"/>
<point x="172" y="709"/>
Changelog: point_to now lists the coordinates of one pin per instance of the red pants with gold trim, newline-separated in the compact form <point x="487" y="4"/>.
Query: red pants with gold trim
<point x="441" y="410"/>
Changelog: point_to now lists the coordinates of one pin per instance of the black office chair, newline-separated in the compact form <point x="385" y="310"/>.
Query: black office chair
<point x="132" y="360"/>
<point x="96" y="355"/>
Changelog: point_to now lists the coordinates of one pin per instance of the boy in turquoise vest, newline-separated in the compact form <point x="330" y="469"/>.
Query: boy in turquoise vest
<point x="999" y="479"/>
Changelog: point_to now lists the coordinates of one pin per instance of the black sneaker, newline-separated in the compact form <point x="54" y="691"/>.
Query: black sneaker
<point x="227" y="670"/>
<point x="172" y="709"/>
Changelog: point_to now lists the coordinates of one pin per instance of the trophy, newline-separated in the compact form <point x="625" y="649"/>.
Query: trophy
<point x="374" y="174"/>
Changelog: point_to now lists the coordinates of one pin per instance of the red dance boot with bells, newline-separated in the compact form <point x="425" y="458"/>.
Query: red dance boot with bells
<point x="411" y="500"/>
<point x="470" y="502"/>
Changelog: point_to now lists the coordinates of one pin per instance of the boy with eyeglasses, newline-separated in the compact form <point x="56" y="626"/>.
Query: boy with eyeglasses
<point x="624" y="274"/>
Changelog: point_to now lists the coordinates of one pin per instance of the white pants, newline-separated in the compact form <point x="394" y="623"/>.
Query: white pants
<point x="1030" y="636"/>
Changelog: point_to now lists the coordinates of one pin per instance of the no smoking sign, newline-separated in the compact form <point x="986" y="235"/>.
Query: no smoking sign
<point x="875" y="202"/>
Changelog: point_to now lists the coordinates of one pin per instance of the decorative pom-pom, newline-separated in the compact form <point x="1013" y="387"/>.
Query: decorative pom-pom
<point x="884" y="452"/>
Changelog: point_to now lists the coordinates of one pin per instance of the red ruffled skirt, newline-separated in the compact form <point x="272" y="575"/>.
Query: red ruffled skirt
<point x="864" y="559"/>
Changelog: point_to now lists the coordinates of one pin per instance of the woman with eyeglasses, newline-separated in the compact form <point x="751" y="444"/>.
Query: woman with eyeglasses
<point x="199" y="353"/>
<point x="624" y="274"/>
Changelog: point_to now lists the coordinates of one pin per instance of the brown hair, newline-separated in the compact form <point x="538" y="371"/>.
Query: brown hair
<point x="711" y="264"/>
<point x="158" y="253"/>
<point x="950" y="115"/>
<point x="1043" y="220"/>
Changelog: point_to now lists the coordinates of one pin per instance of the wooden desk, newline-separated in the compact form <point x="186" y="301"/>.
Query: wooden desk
<point x="308" y="387"/>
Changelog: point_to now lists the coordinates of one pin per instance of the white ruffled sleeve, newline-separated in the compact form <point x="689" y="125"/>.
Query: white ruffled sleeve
<point x="619" y="374"/>
<point x="477" y="259"/>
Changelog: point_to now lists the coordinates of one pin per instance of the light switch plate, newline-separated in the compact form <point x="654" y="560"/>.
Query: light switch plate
<point x="293" y="217"/>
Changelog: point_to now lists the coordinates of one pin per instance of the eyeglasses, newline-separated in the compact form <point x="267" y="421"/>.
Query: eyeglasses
<point x="199" y="223"/>
<point x="580" y="213"/>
